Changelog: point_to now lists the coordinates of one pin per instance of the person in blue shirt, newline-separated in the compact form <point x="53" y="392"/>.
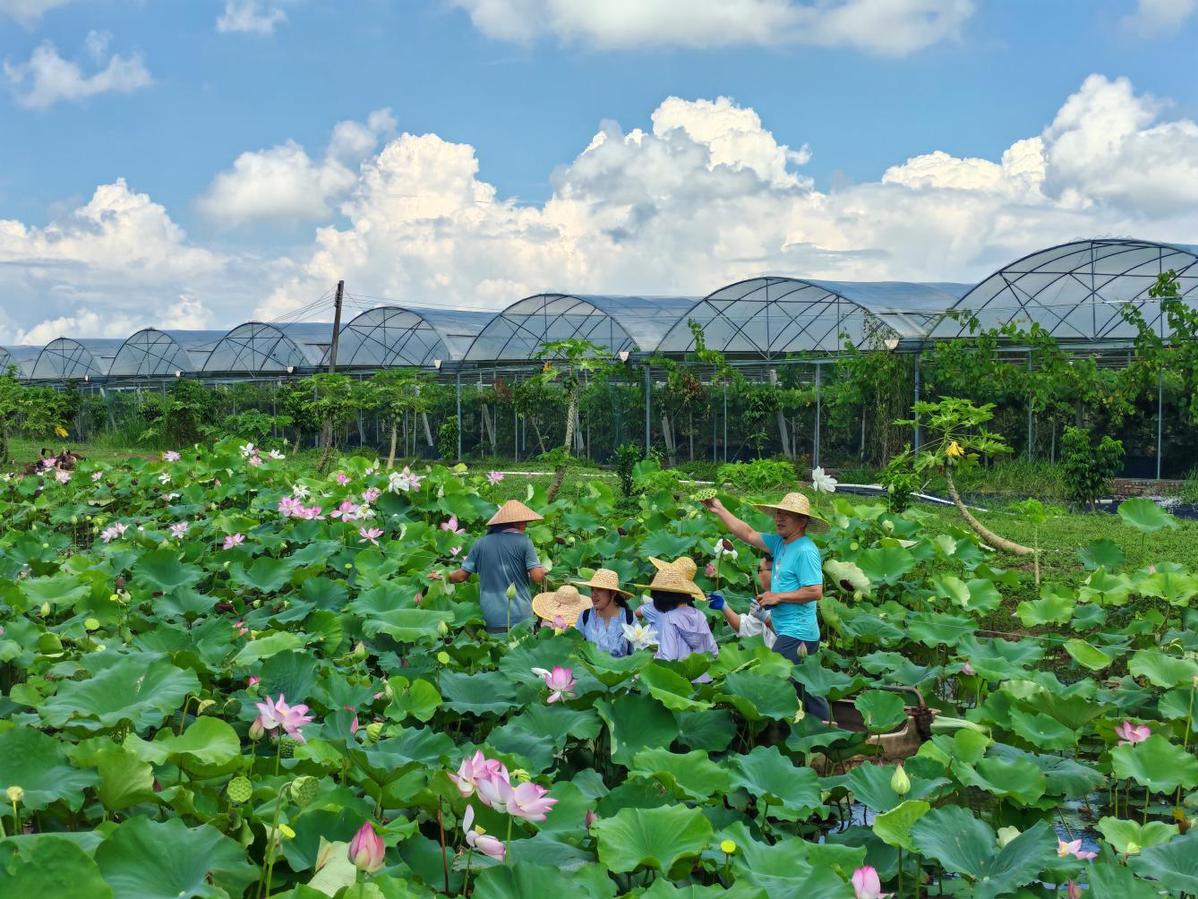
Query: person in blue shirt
<point x="797" y="578"/>
<point x="603" y="623"/>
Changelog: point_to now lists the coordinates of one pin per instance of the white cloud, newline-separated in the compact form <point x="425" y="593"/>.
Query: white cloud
<point x="47" y="78"/>
<point x="285" y="182"/>
<point x="249" y="17"/>
<point x="28" y="11"/>
<point x="888" y="27"/>
<point x="1153" y="17"/>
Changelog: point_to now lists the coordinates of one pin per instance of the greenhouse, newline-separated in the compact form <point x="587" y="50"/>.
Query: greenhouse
<point x="66" y="359"/>
<point x="408" y="336"/>
<point x="22" y="358"/>
<point x="257" y="348"/>
<point x="151" y="353"/>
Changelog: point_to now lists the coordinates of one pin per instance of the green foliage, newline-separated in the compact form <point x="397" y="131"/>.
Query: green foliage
<point x="758" y="476"/>
<point x="1089" y="470"/>
<point x="447" y="440"/>
<point x="627" y="456"/>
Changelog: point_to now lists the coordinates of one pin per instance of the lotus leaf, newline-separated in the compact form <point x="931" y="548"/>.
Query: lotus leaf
<point x="654" y="838"/>
<point x="1157" y="764"/>
<point x="965" y="845"/>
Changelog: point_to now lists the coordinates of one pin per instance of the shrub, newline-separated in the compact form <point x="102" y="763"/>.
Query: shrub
<point x="757" y="476"/>
<point x="447" y="440"/>
<point x="1088" y="470"/>
<point x="901" y="482"/>
<point x="627" y="455"/>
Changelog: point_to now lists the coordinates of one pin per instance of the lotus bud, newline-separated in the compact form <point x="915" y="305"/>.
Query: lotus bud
<point x="900" y="782"/>
<point x="15" y="794"/>
<point x="45" y="609"/>
<point x="510" y="592"/>
<point x="374" y="730"/>
<point x="359" y="652"/>
<point x="100" y="647"/>
<point x="442" y="628"/>
<point x="1006" y="834"/>
<point x="366" y="849"/>
<point x="257" y="729"/>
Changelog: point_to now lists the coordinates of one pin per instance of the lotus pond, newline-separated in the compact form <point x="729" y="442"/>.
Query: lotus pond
<point x="149" y="607"/>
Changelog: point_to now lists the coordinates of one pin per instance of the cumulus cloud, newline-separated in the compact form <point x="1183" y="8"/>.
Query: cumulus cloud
<point x="28" y="11"/>
<point x="46" y="78"/>
<point x="284" y="182"/>
<point x="888" y="27"/>
<point x="1152" y="17"/>
<point x="249" y="17"/>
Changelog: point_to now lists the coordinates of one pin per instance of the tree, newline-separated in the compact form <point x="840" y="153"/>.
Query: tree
<point x="957" y="437"/>
<point x="35" y="411"/>
<point x="399" y="392"/>
<point x="336" y="400"/>
<point x="567" y="361"/>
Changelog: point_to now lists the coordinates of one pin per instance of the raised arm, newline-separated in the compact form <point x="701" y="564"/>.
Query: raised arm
<point x="735" y="526"/>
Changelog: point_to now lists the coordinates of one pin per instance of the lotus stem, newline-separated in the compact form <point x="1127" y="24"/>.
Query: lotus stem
<point x="444" y="857"/>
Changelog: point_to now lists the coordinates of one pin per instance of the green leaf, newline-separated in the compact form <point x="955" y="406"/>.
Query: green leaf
<point x="652" y="838"/>
<point x="690" y="775"/>
<point x="1088" y="656"/>
<point x="885" y="565"/>
<point x="61" y="590"/>
<point x="412" y="699"/>
<point x="255" y="651"/>
<point x="163" y="571"/>
<point x="894" y="827"/>
<point x="792" y="792"/>
<point x="488" y="692"/>
<point x="1052" y="608"/>
<point x="1108" y="880"/>
<point x="1162" y="670"/>
<point x="634" y="722"/>
<point x="882" y="710"/>
<point x="1042" y="731"/>
<point x="1156" y="764"/>
<point x="674" y="691"/>
<point x="37" y="764"/>
<point x="266" y="574"/>
<point x="50" y="867"/>
<point x="524" y="879"/>
<point x="758" y="696"/>
<point x="1174" y="865"/>
<point x="125" y="779"/>
<point x="207" y="742"/>
<point x="145" y="859"/>
<point x="964" y="845"/>
<point x="870" y="784"/>
<point x="1145" y="516"/>
<point x="129" y="690"/>
<point x="1132" y="837"/>
<point x="1101" y="553"/>
<point x="712" y="730"/>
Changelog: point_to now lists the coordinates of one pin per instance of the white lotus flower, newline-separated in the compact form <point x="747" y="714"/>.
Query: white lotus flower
<point x="299" y="491"/>
<point x="640" y="635"/>
<point x="247" y="450"/>
<point x="822" y="482"/>
<point x="721" y="550"/>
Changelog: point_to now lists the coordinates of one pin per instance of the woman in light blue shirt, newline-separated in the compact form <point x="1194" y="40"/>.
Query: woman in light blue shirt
<point x="603" y="623"/>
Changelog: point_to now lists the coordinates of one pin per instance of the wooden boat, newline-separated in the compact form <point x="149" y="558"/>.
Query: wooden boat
<point x="901" y="742"/>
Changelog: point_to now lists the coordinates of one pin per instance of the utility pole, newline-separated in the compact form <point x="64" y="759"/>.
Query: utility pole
<point x="336" y="326"/>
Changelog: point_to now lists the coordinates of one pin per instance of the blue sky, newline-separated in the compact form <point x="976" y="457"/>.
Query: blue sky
<point x="529" y="107"/>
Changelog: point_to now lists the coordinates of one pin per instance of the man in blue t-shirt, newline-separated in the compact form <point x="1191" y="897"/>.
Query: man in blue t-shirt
<point x="797" y="578"/>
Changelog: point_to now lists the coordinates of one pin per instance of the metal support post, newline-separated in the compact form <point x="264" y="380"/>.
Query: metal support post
<point x="458" y="400"/>
<point x="725" y="423"/>
<point x="648" y="408"/>
<point x="918" y="429"/>
<point x="818" y="413"/>
<point x="1160" y="420"/>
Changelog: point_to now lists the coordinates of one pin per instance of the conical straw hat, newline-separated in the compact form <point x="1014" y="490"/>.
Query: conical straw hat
<point x="671" y="580"/>
<point x="799" y="505"/>
<point x="683" y="564"/>
<point x="514" y="512"/>
<point x="565" y="602"/>
<point x="604" y="579"/>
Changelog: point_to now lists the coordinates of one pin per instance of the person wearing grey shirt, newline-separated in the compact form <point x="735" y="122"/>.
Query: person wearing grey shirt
<point x="504" y="558"/>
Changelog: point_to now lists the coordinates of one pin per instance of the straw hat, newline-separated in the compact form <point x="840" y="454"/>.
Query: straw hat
<point x="514" y="512"/>
<point x="604" y="579"/>
<point x="671" y="580"/>
<point x="565" y="602"/>
<point x="684" y="564"/>
<point x="799" y="505"/>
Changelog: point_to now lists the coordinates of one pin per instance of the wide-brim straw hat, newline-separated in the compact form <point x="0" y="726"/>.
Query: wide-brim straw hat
<point x="565" y="603"/>
<point x="603" y="579"/>
<point x="799" y="505"/>
<point x="513" y="512"/>
<point x="671" y="580"/>
<point x="683" y="564"/>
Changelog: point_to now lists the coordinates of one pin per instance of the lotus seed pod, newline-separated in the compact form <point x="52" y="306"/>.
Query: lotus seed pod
<point x="240" y="789"/>
<point x="204" y="705"/>
<point x="91" y="624"/>
<point x="304" y="790"/>
<point x="14" y="793"/>
<point x="287" y="747"/>
<point x="443" y="657"/>
<point x="49" y="643"/>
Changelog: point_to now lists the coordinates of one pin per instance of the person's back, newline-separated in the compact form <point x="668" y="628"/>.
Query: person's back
<point x="680" y="631"/>
<point x="503" y="559"/>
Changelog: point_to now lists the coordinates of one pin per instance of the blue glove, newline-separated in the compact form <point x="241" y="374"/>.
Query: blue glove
<point x="716" y="600"/>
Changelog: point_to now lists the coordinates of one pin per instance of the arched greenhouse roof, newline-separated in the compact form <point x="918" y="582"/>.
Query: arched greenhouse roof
<point x="152" y="353"/>
<point x="66" y="358"/>
<point x="1077" y="290"/>
<point x="617" y="323"/>
<point x="399" y="335"/>
<point x="772" y="316"/>
<point x="270" y="348"/>
<point x="23" y="358"/>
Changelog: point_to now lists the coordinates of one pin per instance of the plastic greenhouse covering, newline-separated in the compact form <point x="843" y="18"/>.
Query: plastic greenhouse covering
<point x="264" y="348"/>
<point x="66" y="358"/>
<point x="23" y="358"/>
<point x="151" y="353"/>
<point x="394" y="335"/>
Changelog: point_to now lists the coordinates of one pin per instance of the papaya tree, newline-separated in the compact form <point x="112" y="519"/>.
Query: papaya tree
<point x="567" y="361"/>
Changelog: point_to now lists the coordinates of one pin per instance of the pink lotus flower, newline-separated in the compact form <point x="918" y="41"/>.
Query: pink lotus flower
<point x="96" y="475"/>
<point x="1132" y="733"/>
<point x="866" y="883"/>
<point x="475" y="769"/>
<point x="290" y="506"/>
<point x="559" y="623"/>
<point x="560" y="681"/>
<point x="709" y="570"/>
<point x="309" y="513"/>
<point x="370" y="535"/>
<point x="255" y="460"/>
<point x="171" y="456"/>
<point x="253" y="680"/>
<point x="242" y="630"/>
<point x="494" y="477"/>
<point x="453" y="552"/>
<point x="1074" y="848"/>
<point x="589" y="818"/>
<point x="178" y="529"/>
<point x="110" y="533"/>
<point x="366" y="849"/>
<point x="452" y="525"/>
<point x="1073" y="890"/>
<point x="530" y="801"/>
<point x="476" y="839"/>
<point x="370" y="494"/>
<point x="232" y="540"/>
<point x="495" y="792"/>
<point x="342" y="478"/>
<point x="62" y="476"/>
<point x="347" y="511"/>
<point x="275" y="714"/>
<point x="967" y="669"/>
